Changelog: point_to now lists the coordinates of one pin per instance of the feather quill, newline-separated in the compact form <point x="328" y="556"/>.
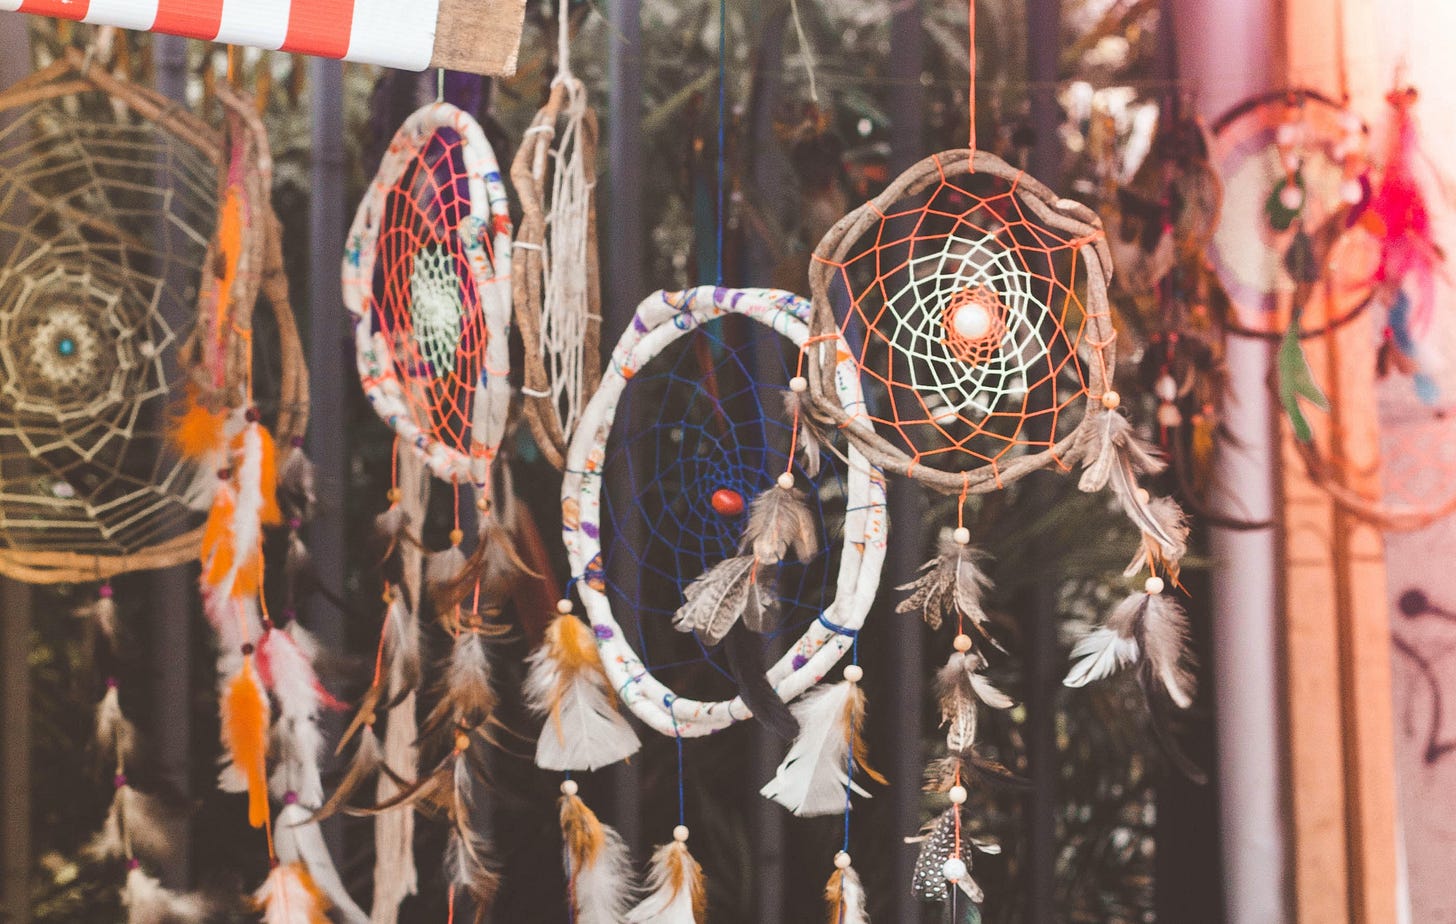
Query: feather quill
<point x="949" y="583"/>
<point x="676" y="890"/>
<point x="567" y="684"/>
<point x="289" y="896"/>
<point x="815" y="773"/>
<point x="598" y="865"/>
<point x="245" y="737"/>
<point x="844" y="895"/>
<point x="148" y="902"/>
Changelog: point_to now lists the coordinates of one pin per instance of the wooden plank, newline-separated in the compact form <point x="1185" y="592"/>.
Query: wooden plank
<point x="479" y="36"/>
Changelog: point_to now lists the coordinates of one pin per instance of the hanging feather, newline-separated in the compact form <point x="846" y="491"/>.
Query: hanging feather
<point x="1109" y="445"/>
<point x="443" y="568"/>
<point x="949" y="583"/>
<point x="961" y="685"/>
<point x="677" y="892"/>
<point x="368" y="761"/>
<point x="136" y="824"/>
<point x="285" y="664"/>
<point x="971" y="767"/>
<point x="1400" y="219"/>
<point x="196" y="431"/>
<point x="289" y="896"/>
<point x="245" y="737"/>
<point x="401" y="643"/>
<point x="270" y="512"/>
<point x="815" y="773"/>
<point x="299" y="842"/>
<point x="102" y="611"/>
<point x="780" y="525"/>
<point x="148" y="902"/>
<point x="494" y="567"/>
<point x="1295" y="380"/>
<point x="466" y="698"/>
<point x="466" y="866"/>
<point x="598" y="864"/>
<point x="1146" y="625"/>
<point x="732" y="590"/>
<point x="945" y="860"/>
<point x="115" y="734"/>
<point x="1162" y="551"/>
<point x="567" y="684"/>
<point x="844" y="895"/>
<point x="297" y="484"/>
<point x="809" y="440"/>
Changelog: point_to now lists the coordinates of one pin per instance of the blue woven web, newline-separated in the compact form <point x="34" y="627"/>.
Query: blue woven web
<point x="706" y="415"/>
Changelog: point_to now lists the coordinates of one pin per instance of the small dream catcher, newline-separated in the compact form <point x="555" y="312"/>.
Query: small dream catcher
<point x="699" y="498"/>
<point x="427" y="278"/>
<point x="557" y="285"/>
<point x="971" y="302"/>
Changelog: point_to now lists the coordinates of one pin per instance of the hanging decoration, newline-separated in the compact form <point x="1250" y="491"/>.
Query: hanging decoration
<point x="556" y="281"/>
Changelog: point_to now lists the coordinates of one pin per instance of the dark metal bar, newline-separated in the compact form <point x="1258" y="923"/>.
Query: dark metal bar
<point x="622" y="224"/>
<point x="330" y="355"/>
<point x="172" y="591"/>
<point x="15" y="623"/>
<point x="907" y="501"/>
<point x="1039" y="608"/>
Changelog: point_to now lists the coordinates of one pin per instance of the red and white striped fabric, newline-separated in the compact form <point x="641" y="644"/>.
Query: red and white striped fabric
<point x="394" y="33"/>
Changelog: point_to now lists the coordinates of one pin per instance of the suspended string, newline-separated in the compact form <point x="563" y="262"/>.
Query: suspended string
<point x="971" y="90"/>
<point x="722" y="120"/>
<point x="806" y="50"/>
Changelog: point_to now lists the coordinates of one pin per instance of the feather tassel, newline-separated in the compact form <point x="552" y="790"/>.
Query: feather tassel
<point x="289" y="896"/>
<point x="598" y="864"/>
<point x="368" y="760"/>
<point x="115" y="734"/>
<point x="245" y="736"/>
<point x="950" y="583"/>
<point x="136" y="824"/>
<point x="940" y="841"/>
<point x="815" y="773"/>
<point x="148" y="902"/>
<point x="677" y="892"/>
<point x="844" y="895"/>
<point x="298" y="485"/>
<point x="1145" y="625"/>
<point x="780" y="525"/>
<point x="1162" y="549"/>
<point x="467" y="698"/>
<point x="731" y="591"/>
<point x="299" y="842"/>
<point x="567" y="684"/>
<point x="961" y="685"/>
<point x="1110" y="443"/>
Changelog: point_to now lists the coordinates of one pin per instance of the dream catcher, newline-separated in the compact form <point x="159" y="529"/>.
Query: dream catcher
<point x="972" y="303"/>
<point x="556" y="282"/>
<point x="426" y="276"/>
<point x="700" y="497"/>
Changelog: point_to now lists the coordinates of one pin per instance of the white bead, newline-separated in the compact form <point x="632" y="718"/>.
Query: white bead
<point x="568" y="787"/>
<point x="680" y="834"/>
<point x="962" y="536"/>
<point x="972" y="321"/>
<point x="1291" y="196"/>
<point x="841" y="860"/>
<point x="1286" y="134"/>
<point x="798" y="384"/>
<point x="962" y="643"/>
<point x="957" y="795"/>
<point x="1351" y="192"/>
<point x="854" y="673"/>
<point x="786" y="480"/>
<point x="1153" y="585"/>
<point x="954" y="869"/>
<point x="1166" y="388"/>
<point x="563" y="606"/>
<point x="1143" y="496"/>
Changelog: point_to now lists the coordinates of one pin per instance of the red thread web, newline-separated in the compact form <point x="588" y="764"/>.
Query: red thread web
<point x="955" y="396"/>
<point x="425" y="297"/>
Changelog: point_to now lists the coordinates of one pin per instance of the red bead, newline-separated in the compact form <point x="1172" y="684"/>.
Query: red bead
<point x="728" y="503"/>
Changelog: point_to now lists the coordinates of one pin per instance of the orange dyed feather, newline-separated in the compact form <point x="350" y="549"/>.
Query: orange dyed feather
<point x="854" y="720"/>
<point x="196" y="431"/>
<point x="574" y="650"/>
<point x="272" y="514"/>
<point x="245" y="735"/>
<point x="581" y="831"/>
<point x="217" y="538"/>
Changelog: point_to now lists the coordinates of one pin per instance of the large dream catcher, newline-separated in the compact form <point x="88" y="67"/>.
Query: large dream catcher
<point x="427" y="278"/>
<point x="557" y="286"/>
<point x="971" y="302"/>
<point x="699" y="498"/>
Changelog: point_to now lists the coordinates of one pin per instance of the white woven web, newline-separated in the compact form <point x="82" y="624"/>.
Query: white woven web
<point x="565" y="304"/>
<point x="103" y="227"/>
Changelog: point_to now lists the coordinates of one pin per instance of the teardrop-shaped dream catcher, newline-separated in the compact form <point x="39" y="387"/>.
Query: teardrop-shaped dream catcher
<point x="707" y="525"/>
<point x="427" y="278"/>
<point x="972" y="303"/>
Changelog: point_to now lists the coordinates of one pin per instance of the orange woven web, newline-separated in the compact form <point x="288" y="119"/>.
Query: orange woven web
<point x="960" y="309"/>
<point x="425" y="297"/>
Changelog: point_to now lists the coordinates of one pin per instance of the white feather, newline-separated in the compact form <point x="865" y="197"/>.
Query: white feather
<point x="395" y="877"/>
<point x="853" y="907"/>
<point x="148" y="902"/>
<point x="813" y="776"/>
<point x="296" y="733"/>
<point x="135" y="824"/>
<point x="298" y="840"/>
<point x="586" y="731"/>
<point x="1100" y="653"/>
<point x="286" y="898"/>
<point x="114" y="732"/>
<point x="989" y="694"/>
<point x="603" y="890"/>
<point x="670" y="888"/>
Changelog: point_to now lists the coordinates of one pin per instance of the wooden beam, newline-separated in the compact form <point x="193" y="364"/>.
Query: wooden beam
<point x="479" y="36"/>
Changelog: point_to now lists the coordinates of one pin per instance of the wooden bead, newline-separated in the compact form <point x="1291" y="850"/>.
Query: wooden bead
<point x="962" y="643"/>
<point x="1111" y="400"/>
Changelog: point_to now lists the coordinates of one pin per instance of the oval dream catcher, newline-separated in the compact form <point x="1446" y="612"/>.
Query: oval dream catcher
<point x="427" y="278"/>
<point x="557" y="284"/>
<point x="971" y="301"/>
<point x="699" y="498"/>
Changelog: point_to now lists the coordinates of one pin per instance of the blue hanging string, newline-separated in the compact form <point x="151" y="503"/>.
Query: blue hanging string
<point x="849" y="763"/>
<point x="722" y="120"/>
<point x="671" y="702"/>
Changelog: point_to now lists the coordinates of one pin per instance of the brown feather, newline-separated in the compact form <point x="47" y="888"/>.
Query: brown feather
<point x="780" y="525"/>
<point x="724" y="594"/>
<point x="950" y="583"/>
<point x="467" y="698"/>
<point x="494" y="566"/>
